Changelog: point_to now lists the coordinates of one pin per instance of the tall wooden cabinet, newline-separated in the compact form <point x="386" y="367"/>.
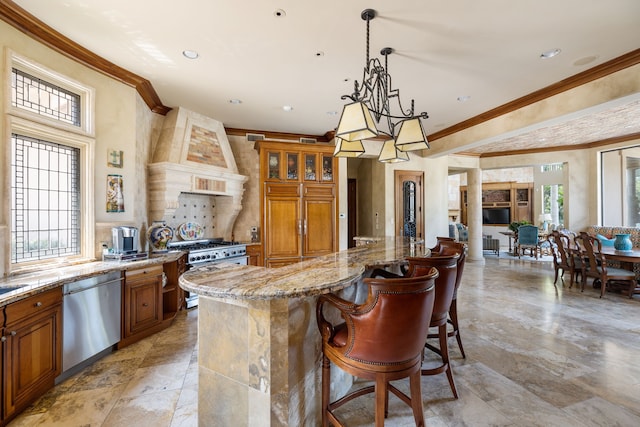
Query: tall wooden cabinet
<point x="516" y="196"/>
<point x="298" y="201"/>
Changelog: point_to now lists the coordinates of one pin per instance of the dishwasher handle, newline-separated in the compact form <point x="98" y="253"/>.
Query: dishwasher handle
<point x="82" y="289"/>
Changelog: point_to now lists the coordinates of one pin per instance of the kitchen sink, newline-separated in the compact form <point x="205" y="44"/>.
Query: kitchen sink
<point x="5" y="289"/>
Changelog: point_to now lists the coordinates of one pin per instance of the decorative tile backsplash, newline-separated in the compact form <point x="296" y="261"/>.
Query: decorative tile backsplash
<point x="195" y="208"/>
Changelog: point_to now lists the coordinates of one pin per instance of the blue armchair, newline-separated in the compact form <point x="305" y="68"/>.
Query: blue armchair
<point x="528" y="239"/>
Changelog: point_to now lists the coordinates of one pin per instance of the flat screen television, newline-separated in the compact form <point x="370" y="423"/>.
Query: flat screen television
<point x="496" y="215"/>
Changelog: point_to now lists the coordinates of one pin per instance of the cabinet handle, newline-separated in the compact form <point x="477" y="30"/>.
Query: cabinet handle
<point x="144" y="304"/>
<point x="14" y="333"/>
<point x="305" y="226"/>
<point x="3" y="339"/>
<point x="38" y="304"/>
<point x="299" y="227"/>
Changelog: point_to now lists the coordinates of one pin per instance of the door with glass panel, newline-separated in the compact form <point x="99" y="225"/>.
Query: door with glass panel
<point x="408" y="202"/>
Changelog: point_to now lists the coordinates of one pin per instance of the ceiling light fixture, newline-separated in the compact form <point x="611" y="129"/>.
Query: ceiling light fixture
<point x="550" y="53"/>
<point x="190" y="54"/>
<point x="287" y="108"/>
<point x="371" y="102"/>
<point x="235" y="101"/>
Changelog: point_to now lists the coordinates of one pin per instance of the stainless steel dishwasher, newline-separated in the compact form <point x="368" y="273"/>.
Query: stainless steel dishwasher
<point x="91" y="317"/>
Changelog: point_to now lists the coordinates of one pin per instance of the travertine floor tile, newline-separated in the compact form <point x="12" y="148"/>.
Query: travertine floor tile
<point x="537" y="355"/>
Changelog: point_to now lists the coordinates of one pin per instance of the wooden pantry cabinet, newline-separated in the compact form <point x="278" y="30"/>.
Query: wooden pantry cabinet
<point x="298" y="201"/>
<point x="31" y="350"/>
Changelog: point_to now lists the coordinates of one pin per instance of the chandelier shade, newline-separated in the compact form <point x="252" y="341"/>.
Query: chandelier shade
<point x="356" y="123"/>
<point x="411" y="136"/>
<point x="348" y="148"/>
<point x="390" y="154"/>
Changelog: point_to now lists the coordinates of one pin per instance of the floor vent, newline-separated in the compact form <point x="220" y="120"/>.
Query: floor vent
<point x="255" y="137"/>
<point x="308" y="140"/>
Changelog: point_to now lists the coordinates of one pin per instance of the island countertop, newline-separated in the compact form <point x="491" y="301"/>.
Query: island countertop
<point x="328" y="273"/>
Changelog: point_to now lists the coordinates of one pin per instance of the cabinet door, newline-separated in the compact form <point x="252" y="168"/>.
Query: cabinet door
<point x="283" y="227"/>
<point x="318" y="228"/>
<point x="32" y="357"/>
<point x="143" y="304"/>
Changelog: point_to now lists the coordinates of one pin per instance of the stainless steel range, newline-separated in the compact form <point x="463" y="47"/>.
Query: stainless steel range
<point x="208" y="251"/>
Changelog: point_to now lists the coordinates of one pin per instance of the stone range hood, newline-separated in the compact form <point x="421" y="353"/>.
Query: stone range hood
<point x="193" y="155"/>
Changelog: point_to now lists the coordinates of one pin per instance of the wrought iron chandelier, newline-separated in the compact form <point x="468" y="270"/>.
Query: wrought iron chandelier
<point x="371" y="102"/>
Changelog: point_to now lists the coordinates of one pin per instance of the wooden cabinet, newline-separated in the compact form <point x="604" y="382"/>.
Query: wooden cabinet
<point x="254" y="253"/>
<point x="514" y="199"/>
<point x="172" y="293"/>
<point x="142" y="304"/>
<point x="298" y="201"/>
<point x="31" y="350"/>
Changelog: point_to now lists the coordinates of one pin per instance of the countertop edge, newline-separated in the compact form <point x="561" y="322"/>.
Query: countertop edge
<point x="30" y="284"/>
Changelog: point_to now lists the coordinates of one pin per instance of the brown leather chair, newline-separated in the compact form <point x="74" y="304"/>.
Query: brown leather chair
<point x="445" y="288"/>
<point x="448" y="246"/>
<point x="380" y="340"/>
<point x="444" y="246"/>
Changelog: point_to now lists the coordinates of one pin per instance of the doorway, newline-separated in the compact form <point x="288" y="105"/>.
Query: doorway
<point x="352" y="211"/>
<point x="408" y="203"/>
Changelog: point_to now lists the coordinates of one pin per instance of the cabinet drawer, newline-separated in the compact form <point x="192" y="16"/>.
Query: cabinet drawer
<point x="31" y="306"/>
<point x="141" y="273"/>
<point x="292" y="190"/>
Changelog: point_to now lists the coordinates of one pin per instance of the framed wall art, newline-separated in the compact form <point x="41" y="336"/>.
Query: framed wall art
<point x="115" y="158"/>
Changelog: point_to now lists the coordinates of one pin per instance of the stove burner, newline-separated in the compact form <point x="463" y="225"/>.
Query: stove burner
<point x="209" y="250"/>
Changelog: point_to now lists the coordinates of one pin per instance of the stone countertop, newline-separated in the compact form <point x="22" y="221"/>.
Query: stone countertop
<point x="328" y="273"/>
<point x="29" y="284"/>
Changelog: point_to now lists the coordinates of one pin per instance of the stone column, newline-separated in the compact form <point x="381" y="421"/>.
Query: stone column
<point x="474" y="214"/>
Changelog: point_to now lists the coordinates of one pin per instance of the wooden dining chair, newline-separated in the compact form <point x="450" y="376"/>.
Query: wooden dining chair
<point x="596" y="266"/>
<point x="560" y="249"/>
<point x="381" y="340"/>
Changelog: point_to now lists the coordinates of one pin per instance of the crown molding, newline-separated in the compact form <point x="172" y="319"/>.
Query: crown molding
<point x="23" y="21"/>
<point x="617" y="64"/>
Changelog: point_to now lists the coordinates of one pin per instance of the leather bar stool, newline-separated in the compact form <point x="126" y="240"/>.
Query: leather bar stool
<point x="381" y="340"/>
<point x="445" y="288"/>
<point x="447" y="246"/>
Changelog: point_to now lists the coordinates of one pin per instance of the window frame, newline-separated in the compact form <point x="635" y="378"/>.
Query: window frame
<point x="30" y="124"/>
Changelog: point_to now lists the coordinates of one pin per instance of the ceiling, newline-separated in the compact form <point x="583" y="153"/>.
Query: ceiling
<point x="269" y="54"/>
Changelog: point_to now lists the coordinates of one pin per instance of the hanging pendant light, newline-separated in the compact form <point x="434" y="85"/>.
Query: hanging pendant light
<point x="371" y="101"/>
<point x="390" y="154"/>
<point x="411" y="136"/>
<point x="348" y="148"/>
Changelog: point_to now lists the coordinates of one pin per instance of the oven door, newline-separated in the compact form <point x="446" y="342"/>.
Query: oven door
<point x="191" y="299"/>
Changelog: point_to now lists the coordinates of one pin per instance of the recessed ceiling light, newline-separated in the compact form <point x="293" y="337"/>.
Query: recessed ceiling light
<point x="287" y="108"/>
<point x="332" y="113"/>
<point x="235" y="101"/>
<point x="319" y="53"/>
<point x="190" y="54"/>
<point x="550" y="53"/>
<point x="586" y="60"/>
<point x="464" y="98"/>
<point x="279" y="13"/>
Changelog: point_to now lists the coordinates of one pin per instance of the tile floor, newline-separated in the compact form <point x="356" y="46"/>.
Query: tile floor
<point x="537" y="355"/>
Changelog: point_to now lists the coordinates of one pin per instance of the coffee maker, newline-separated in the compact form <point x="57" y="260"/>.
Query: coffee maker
<point x="125" y="240"/>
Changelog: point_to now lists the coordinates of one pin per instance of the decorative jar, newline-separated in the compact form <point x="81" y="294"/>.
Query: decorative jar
<point x="159" y="235"/>
<point x="623" y="242"/>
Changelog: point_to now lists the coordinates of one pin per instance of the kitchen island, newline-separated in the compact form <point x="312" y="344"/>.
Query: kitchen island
<point x="259" y="347"/>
